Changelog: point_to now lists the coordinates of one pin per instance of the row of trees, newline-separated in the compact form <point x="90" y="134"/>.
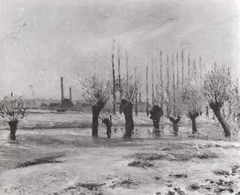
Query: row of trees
<point x="97" y="90"/>
<point x="174" y="95"/>
<point x="188" y="90"/>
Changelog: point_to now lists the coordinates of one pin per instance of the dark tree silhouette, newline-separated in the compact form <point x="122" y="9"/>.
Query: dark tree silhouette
<point x="155" y="114"/>
<point x="129" y="87"/>
<point x="108" y="122"/>
<point x="175" y="122"/>
<point x="126" y="108"/>
<point x="96" y="109"/>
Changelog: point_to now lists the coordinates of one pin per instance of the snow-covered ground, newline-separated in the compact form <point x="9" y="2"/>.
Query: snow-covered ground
<point x="80" y="164"/>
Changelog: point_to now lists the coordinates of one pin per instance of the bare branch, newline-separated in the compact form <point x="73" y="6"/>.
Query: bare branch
<point x="12" y="108"/>
<point x="96" y="89"/>
<point x="193" y="99"/>
<point x="216" y="87"/>
<point x="129" y="88"/>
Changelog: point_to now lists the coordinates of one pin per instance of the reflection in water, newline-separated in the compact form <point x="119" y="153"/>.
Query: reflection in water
<point x="31" y="144"/>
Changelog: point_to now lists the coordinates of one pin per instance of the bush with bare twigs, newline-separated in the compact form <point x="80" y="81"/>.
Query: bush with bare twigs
<point x="12" y="110"/>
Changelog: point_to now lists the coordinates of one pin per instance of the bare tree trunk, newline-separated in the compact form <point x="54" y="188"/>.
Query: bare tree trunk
<point x="175" y="125"/>
<point x="200" y="69"/>
<point x="161" y="79"/>
<point x="136" y="106"/>
<point x="207" y="111"/>
<point x="96" y="109"/>
<point x="13" y="129"/>
<point x="189" y="67"/>
<point x="119" y="77"/>
<point x="127" y="73"/>
<point x="193" y="119"/>
<point x="108" y="123"/>
<point x="173" y="87"/>
<point x="136" y="97"/>
<point x="220" y="118"/>
<point x="194" y="71"/>
<point x="153" y="95"/>
<point x="182" y="57"/>
<point x="126" y="108"/>
<point x="114" y="94"/>
<point x="147" y="89"/>
<point x="156" y="113"/>
<point x="167" y="86"/>
<point x="177" y="71"/>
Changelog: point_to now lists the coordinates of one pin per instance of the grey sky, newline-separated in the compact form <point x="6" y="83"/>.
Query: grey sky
<point x="42" y="40"/>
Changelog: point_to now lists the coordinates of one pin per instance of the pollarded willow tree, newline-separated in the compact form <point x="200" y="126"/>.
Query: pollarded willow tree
<point x="156" y="110"/>
<point x="128" y="89"/>
<point x="174" y="103"/>
<point x="156" y="113"/>
<point x="96" y="91"/>
<point x="193" y="102"/>
<point x="12" y="110"/>
<point x="216" y="89"/>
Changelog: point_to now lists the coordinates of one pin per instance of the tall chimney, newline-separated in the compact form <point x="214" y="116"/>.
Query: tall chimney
<point x="70" y="93"/>
<point x="62" y="94"/>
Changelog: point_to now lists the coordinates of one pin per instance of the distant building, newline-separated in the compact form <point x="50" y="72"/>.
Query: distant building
<point x="67" y="104"/>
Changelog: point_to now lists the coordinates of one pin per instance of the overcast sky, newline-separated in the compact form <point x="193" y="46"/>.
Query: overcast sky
<point x="42" y="40"/>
